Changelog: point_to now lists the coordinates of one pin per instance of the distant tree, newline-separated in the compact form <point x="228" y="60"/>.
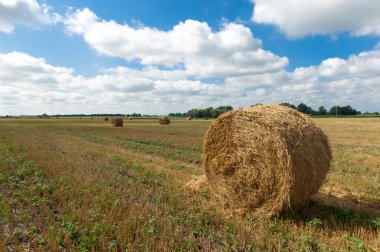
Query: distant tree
<point x="334" y="110"/>
<point x="216" y="112"/>
<point x="220" y="110"/>
<point x="177" y="114"/>
<point x="345" y="110"/>
<point x="302" y="107"/>
<point x="209" y="112"/>
<point x="194" y="113"/>
<point x="322" y="110"/>
<point x="287" y="104"/>
<point x="225" y="108"/>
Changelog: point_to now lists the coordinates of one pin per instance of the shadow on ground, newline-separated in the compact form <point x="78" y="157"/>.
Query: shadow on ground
<point x="341" y="213"/>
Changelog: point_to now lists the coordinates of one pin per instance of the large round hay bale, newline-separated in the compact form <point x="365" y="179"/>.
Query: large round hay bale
<point x="106" y="119"/>
<point x="117" y="122"/>
<point x="266" y="159"/>
<point x="189" y="118"/>
<point x="164" y="120"/>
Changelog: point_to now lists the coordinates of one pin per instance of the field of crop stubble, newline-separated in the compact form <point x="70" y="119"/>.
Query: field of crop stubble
<point x="81" y="184"/>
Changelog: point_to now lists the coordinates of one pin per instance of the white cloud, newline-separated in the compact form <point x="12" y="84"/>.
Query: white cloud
<point x="33" y="73"/>
<point x="185" y="67"/>
<point x="191" y="44"/>
<point x="364" y="65"/>
<point x="30" y="85"/>
<point x="25" y="12"/>
<point x="354" y="81"/>
<point x="299" y="18"/>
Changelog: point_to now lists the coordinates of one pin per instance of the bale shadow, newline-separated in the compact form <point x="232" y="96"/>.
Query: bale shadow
<point x="349" y="203"/>
<point x="339" y="213"/>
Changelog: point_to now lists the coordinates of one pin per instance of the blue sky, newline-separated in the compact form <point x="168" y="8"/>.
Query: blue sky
<point x="171" y="56"/>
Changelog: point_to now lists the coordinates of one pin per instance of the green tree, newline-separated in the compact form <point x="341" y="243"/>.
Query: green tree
<point x="209" y="112"/>
<point x="334" y="110"/>
<point x="345" y="110"/>
<point x="322" y="110"/>
<point x="287" y="104"/>
<point x="302" y="107"/>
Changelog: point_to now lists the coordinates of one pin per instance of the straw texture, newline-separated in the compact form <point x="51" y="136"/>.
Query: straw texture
<point x="265" y="159"/>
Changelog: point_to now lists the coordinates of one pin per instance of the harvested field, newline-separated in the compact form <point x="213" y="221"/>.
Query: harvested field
<point x="73" y="184"/>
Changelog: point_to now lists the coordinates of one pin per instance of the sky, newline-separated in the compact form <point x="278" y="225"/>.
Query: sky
<point x="157" y="57"/>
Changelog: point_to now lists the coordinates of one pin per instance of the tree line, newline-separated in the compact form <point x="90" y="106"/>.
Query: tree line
<point x="211" y="112"/>
<point x="335" y="110"/>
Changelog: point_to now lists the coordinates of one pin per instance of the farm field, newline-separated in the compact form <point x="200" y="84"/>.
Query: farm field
<point x="81" y="184"/>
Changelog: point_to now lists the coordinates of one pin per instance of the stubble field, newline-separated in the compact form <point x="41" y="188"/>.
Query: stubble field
<point x="80" y="184"/>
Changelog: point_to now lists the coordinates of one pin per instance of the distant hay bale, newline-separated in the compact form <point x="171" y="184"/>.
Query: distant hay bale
<point x="117" y="122"/>
<point x="106" y="119"/>
<point x="265" y="159"/>
<point x="189" y="118"/>
<point x="130" y="118"/>
<point x="164" y="120"/>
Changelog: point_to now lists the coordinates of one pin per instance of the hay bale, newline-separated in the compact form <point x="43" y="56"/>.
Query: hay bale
<point x="164" y="120"/>
<point x="265" y="159"/>
<point x="130" y="118"/>
<point x="106" y="119"/>
<point x="117" y="122"/>
<point x="189" y="118"/>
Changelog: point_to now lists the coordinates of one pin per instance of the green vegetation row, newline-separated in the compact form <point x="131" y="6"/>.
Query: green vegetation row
<point x="212" y="112"/>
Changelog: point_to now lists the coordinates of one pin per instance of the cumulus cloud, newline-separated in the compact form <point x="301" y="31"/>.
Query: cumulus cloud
<point x="335" y="81"/>
<point x="25" y="12"/>
<point x="193" y="45"/>
<point x="185" y="67"/>
<point x="30" y="85"/>
<point x="34" y="73"/>
<point x="299" y="18"/>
